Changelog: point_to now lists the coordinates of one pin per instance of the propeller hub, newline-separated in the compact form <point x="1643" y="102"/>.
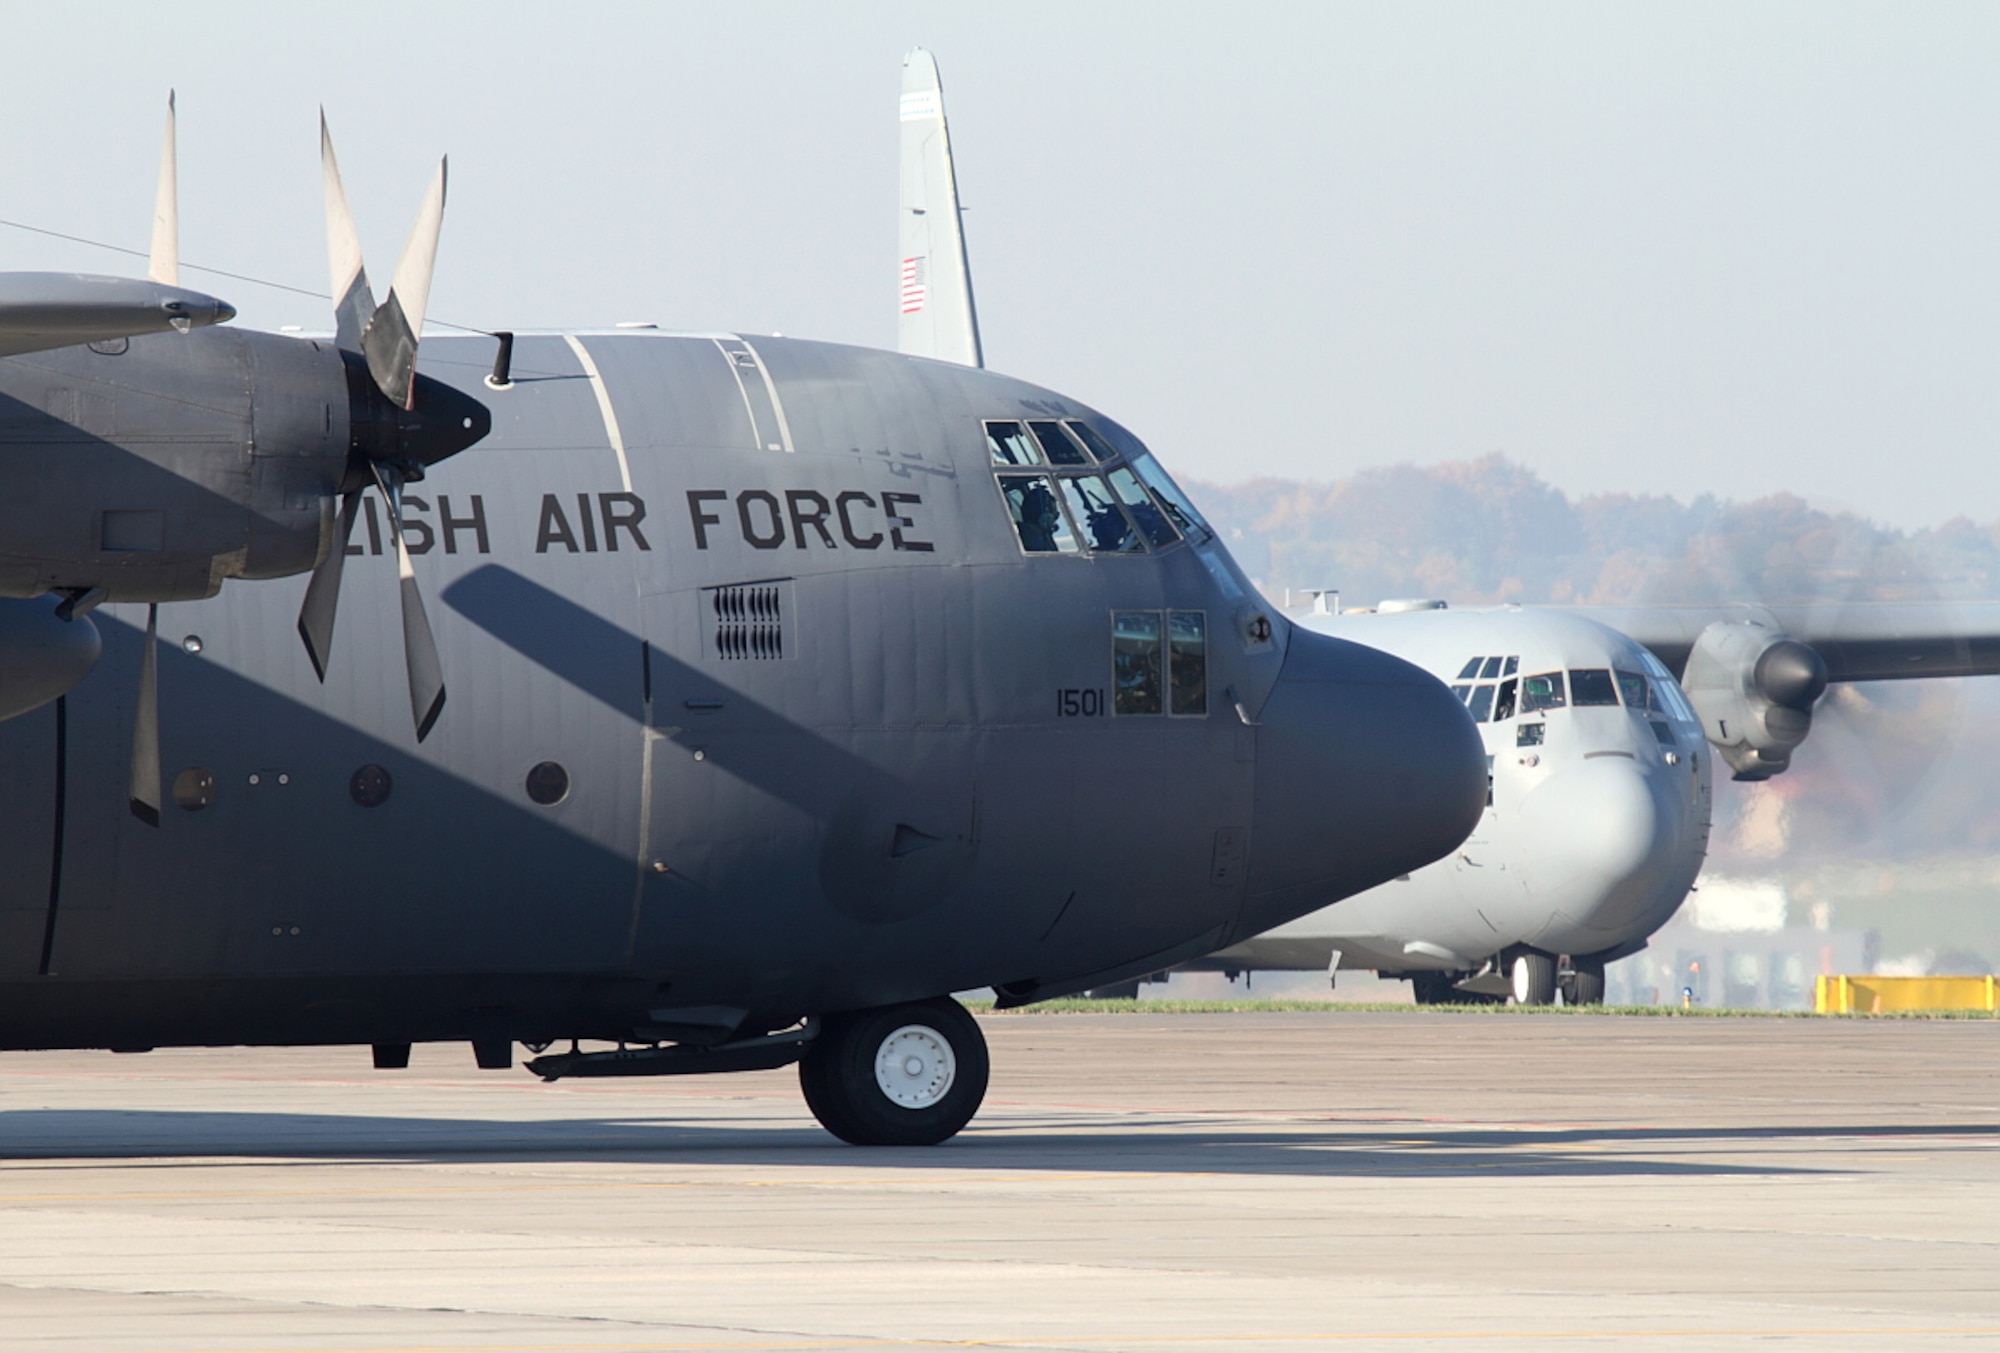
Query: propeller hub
<point x="1790" y="675"/>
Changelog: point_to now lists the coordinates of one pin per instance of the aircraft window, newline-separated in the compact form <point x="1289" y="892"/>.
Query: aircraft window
<point x="194" y="789"/>
<point x="1009" y="444"/>
<point x="1105" y="527"/>
<point x="1093" y="439"/>
<point x="1463" y="693"/>
<point x="370" y="786"/>
<point x="1663" y="730"/>
<point x="1633" y="687"/>
<point x="1060" y="446"/>
<point x="1187" y="668"/>
<point x="1667" y="694"/>
<point x="1513" y="666"/>
<point x="1481" y="704"/>
<point x="1037" y="516"/>
<point x="1530" y="734"/>
<point x="548" y="783"/>
<point x="1470" y="670"/>
<point x="1176" y="503"/>
<point x="1135" y="662"/>
<point x="1503" y="704"/>
<point x="1492" y="669"/>
<point x="1542" y="692"/>
<point x="1592" y="686"/>
<point x="1152" y="522"/>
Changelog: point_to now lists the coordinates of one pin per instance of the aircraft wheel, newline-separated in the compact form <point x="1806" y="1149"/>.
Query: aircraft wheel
<point x="1533" y="975"/>
<point x="900" y="1075"/>
<point x="1586" y="983"/>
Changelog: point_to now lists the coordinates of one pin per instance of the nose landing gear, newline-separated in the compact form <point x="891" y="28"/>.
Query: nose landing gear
<point x="900" y="1075"/>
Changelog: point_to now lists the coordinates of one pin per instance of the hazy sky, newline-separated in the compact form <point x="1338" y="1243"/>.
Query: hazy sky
<point x="1671" y="248"/>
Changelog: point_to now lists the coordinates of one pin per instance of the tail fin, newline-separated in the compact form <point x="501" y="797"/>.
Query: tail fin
<point x="938" y="319"/>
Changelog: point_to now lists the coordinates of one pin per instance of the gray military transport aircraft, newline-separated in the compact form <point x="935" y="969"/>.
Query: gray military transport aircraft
<point x="1600" y="724"/>
<point x="784" y="697"/>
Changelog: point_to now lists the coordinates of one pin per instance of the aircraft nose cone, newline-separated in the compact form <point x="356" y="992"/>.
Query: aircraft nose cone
<point x="194" y="309"/>
<point x="1597" y="840"/>
<point x="1367" y="768"/>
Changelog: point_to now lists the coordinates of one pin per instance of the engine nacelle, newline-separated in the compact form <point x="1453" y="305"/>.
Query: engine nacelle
<point x="1754" y="688"/>
<point x="42" y="656"/>
<point x="158" y="467"/>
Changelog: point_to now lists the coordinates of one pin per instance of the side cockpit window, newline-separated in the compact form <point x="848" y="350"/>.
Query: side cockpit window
<point x="1159" y="662"/>
<point x="1038" y="516"/>
<point x="1544" y="691"/>
<point x="1086" y="501"/>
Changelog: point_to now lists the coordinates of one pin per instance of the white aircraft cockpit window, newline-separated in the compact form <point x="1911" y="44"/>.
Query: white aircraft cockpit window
<point x="1135" y="662"/>
<point x="1093" y="439"/>
<point x="1503" y="703"/>
<point x="1591" y="686"/>
<point x="1491" y="670"/>
<point x="1544" y="691"/>
<point x="1464" y="693"/>
<point x="1632" y="686"/>
<point x="1667" y="691"/>
<point x="1471" y="669"/>
<point x="1037" y="515"/>
<point x="1187" y="661"/>
<point x="1152" y="522"/>
<point x="1481" y="703"/>
<point x="1060" y="447"/>
<point x="1009" y="444"/>
<point x="1513" y="666"/>
<point x="1105" y="527"/>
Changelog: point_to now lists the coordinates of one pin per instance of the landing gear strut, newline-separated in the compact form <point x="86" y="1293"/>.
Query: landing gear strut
<point x="900" y="1075"/>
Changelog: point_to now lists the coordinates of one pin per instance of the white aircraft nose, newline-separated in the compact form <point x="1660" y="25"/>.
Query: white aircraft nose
<point x="1598" y="844"/>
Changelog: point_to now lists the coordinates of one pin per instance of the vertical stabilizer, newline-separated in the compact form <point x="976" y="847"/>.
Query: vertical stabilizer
<point x="935" y="284"/>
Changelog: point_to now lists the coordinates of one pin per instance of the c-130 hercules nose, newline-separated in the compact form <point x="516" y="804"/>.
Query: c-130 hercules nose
<point x="1367" y="768"/>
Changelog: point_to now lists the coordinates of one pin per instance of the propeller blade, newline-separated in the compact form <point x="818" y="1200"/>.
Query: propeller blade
<point x="420" y="653"/>
<point x="164" y="265"/>
<point x="146" y="729"/>
<point x="353" y="301"/>
<point x="323" y="592"/>
<point x="390" y="341"/>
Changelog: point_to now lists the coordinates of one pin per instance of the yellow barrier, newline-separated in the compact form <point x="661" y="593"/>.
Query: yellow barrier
<point x="1840" y="995"/>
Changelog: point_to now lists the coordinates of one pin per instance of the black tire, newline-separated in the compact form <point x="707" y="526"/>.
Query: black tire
<point x="1533" y="974"/>
<point x="860" y="1097"/>
<point x="1586" y="984"/>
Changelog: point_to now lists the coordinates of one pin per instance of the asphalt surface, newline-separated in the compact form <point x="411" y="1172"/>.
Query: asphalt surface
<point x="1341" y="1180"/>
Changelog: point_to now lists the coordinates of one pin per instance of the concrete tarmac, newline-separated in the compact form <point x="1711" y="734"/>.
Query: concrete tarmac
<point x="1340" y="1180"/>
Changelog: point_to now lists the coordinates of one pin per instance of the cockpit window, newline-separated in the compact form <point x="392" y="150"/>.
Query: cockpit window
<point x="1093" y="439"/>
<point x="1037" y="516"/>
<point x="1060" y="447"/>
<point x="1503" y="704"/>
<point x="1513" y="666"/>
<point x="1135" y="662"/>
<point x="1481" y="703"/>
<point x="1152" y="522"/>
<point x="1591" y="686"/>
<point x="1666" y="691"/>
<point x="1470" y="670"/>
<point x="1633" y="687"/>
<point x="1103" y="523"/>
<point x="1492" y="669"/>
<point x="1187" y="651"/>
<point x="1542" y="692"/>
<point x="1171" y="498"/>
<point x="1009" y="444"/>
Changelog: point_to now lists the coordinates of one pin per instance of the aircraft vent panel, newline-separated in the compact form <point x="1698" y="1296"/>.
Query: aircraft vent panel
<point x="746" y="621"/>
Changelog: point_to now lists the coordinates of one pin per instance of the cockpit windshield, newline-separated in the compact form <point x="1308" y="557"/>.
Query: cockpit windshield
<point x="1544" y="691"/>
<point x="1037" y="514"/>
<point x="1124" y="506"/>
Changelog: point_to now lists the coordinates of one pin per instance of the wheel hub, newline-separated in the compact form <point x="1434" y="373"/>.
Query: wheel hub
<point x="915" y="1067"/>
